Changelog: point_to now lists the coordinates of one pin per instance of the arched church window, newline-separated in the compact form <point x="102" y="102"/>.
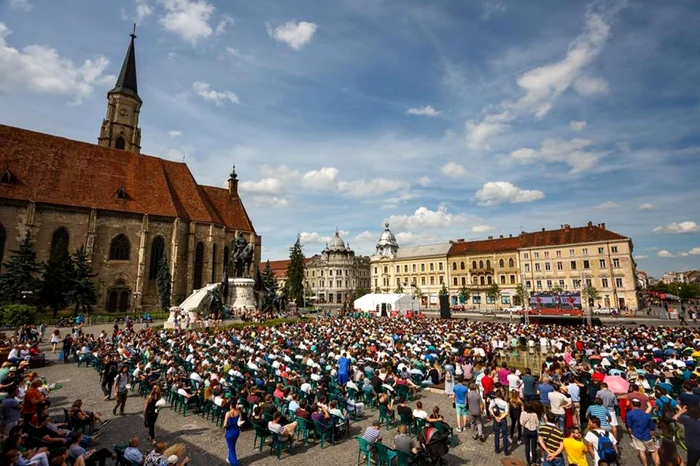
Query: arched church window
<point x="59" y="241"/>
<point x="213" y="263"/>
<point x="198" y="265"/>
<point x="120" y="143"/>
<point x="120" y="248"/>
<point x="157" y="250"/>
<point x="2" y="244"/>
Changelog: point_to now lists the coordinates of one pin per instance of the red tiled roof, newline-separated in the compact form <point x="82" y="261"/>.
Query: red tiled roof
<point x="54" y="170"/>
<point x="565" y="235"/>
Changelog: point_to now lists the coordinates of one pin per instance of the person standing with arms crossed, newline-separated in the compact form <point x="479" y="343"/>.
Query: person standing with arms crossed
<point x="459" y="396"/>
<point x="121" y="390"/>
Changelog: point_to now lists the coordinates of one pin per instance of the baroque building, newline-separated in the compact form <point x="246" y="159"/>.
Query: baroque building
<point x="335" y="275"/>
<point x="567" y="259"/>
<point x="128" y="209"/>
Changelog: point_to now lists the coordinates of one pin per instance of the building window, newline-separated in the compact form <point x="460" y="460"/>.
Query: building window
<point x="157" y="250"/>
<point x="572" y="252"/>
<point x="432" y="280"/>
<point x="431" y="267"/>
<point x="59" y="241"/>
<point x="461" y="265"/>
<point x="528" y="284"/>
<point x="213" y="263"/>
<point x="616" y="262"/>
<point x="526" y="256"/>
<point x="488" y="279"/>
<point x="537" y="267"/>
<point x="405" y="268"/>
<point x="503" y="279"/>
<point x="546" y="254"/>
<point x="604" y="282"/>
<point x="505" y="299"/>
<point x="573" y="265"/>
<point x="198" y="265"/>
<point x="375" y="271"/>
<point x="476" y="299"/>
<point x="227" y="251"/>
<point x="464" y="281"/>
<point x="441" y="279"/>
<point x="512" y="279"/>
<point x="481" y="264"/>
<point x="414" y="268"/>
<point x="589" y="282"/>
<point x="549" y="284"/>
<point x="119" y="248"/>
<point x="386" y="269"/>
<point x="539" y="284"/>
<point x="473" y="264"/>
<point x="440" y="266"/>
<point x="398" y="269"/>
<point x="537" y="255"/>
<point x="2" y="244"/>
<point x="527" y="267"/>
<point x="562" y="284"/>
<point x="454" y="281"/>
<point x="586" y="264"/>
<point x="601" y="262"/>
<point x="454" y="265"/>
<point x="481" y="279"/>
<point x="584" y="251"/>
<point x="600" y="250"/>
<point x="488" y="264"/>
<point x="558" y="253"/>
<point x="511" y="262"/>
<point x="501" y="263"/>
<point x="330" y="272"/>
<point x="618" y="282"/>
<point x="490" y="300"/>
<point x="422" y="267"/>
<point x="613" y="249"/>
<point x="560" y="266"/>
<point x="422" y="280"/>
<point x="577" y="284"/>
<point x="547" y="266"/>
<point x="120" y="143"/>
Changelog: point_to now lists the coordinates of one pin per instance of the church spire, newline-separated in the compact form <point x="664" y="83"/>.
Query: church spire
<point x="120" y="128"/>
<point x="126" y="84"/>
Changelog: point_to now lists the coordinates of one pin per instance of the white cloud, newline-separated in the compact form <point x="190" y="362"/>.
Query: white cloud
<point x="497" y="192"/>
<point x="428" y="111"/>
<point x="264" y="186"/>
<point x="647" y="206"/>
<point x="188" y="18"/>
<point x="424" y="181"/>
<point x="492" y="7"/>
<point x="572" y="153"/>
<point x="577" y="125"/>
<point x="143" y="10"/>
<point x="694" y="252"/>
<point x="272" y="201"/>
<point x="682" y="227"/>
<point x="426" y="218"/>
<point x="664" y="253"/>
<point x="174" y="134"/>
<point x="481" y="228"/>
<point x="366" y="236"/>
<point x="479" y="132"/>
<point x="295" y="34"/>
<point x="283" y="172"/>
<point x="313" y="237"/>
<point x="226" y="20"/>
<point x="21" y="5"/>
<point x="544" y="84"/>
<point x="210" y="95"/>
<point x="408" y="238"/>
<point x="453" y="170"/>
<point x="40" y="69"/>
<point x="326" y="179"/>
<point x="607" y="205"/>
<point x="641" y="257"/>
<point x="590" y="86"/>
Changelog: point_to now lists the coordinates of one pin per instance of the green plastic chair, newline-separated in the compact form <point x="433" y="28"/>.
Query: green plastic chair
<point x="261" y="434"/>
<point x="278" y="445"/>
<point x="385" y="454"/>
<point x="407" y="419"/>
<point x="384" y="417"/>
<point x="363" y="449"/>
<point x="322" y="432"/>
<point x="370" y="400"/>
<point x="303" y="429"/>
<point x="405" y="459"/>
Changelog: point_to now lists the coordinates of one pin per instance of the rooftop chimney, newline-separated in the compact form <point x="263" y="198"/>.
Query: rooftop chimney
<point x="590" y="224"/>
<point x="500" y="236"/>
<point x="510" y="236"/>
<point x="602" y="225"/>
<point x="542" y="228"/>
<point x="460" y="240"/>
<point x="567" y="226"/>
<point x="490" y="237"/>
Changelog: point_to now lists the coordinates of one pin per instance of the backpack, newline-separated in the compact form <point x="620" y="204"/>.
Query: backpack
<point x="667" y="412"/>
<point x="606" y="450"/>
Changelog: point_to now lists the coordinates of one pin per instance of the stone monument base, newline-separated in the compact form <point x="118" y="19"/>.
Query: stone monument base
<point x="240" y="293"/>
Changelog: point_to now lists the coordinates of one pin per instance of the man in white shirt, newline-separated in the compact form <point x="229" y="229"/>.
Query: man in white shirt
<point x="559" y="402"/>
<point x="594" y="435"/>
<point x="514" y="381"/>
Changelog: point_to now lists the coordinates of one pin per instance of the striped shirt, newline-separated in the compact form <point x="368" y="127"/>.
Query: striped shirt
<point x="551" y="436"/>
<point x="372" y="434"/>
<point x="601" y="412"/>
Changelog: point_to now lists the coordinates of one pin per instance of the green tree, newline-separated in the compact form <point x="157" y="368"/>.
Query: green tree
<point x="444" y="290"/>
<point x="418" y="294"/>
<point x="377" y="290"/>
<point x="360" y="292"/>
<point x="399" y="289"/>
<point x="164" y="283"/>
<point x="522" y="295"/>
<point x="82" y="290"/>
<point x="58" y="279"/>
<point x="19" y="282"/>
<point x="464" y="294"/>
<point x="557" y="288"/>
<point x="590" y="293"/>
<point x="270" y="282"/>
<point x="295" y="274"/>
<point x="494" y="293"/>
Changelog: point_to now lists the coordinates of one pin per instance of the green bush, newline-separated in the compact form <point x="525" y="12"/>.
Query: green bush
<point x="16" y="315"/>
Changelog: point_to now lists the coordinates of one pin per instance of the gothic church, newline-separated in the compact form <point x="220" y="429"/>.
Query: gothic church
<point x="126" y="208"/>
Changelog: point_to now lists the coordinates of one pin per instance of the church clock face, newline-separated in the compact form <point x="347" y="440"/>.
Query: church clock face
<point x="124" y="112"/>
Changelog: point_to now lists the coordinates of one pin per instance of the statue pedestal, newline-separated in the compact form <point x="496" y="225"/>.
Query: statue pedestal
<point x="240" y="293"/>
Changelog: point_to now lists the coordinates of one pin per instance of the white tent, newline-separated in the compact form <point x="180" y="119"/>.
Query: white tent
<point x="386" y="304"/>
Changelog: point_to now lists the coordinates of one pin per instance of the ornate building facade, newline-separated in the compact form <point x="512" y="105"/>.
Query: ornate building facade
<point x="337" y="273"/>
<point x="568" y="259"/>
<point x="127" y="209"/>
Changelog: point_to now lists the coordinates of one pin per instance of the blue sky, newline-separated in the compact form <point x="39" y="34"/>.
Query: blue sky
<point x="448" y="119"/>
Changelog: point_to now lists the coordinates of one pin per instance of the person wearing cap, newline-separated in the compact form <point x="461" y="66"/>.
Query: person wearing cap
<point x="641" y="429"/>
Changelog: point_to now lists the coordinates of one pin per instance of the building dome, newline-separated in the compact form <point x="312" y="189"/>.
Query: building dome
<point x="387" y="244"/>
<point x="337" y="243"/>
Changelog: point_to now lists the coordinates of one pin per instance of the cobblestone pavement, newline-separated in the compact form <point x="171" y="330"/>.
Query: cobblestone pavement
<point x="205" y="442"/>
